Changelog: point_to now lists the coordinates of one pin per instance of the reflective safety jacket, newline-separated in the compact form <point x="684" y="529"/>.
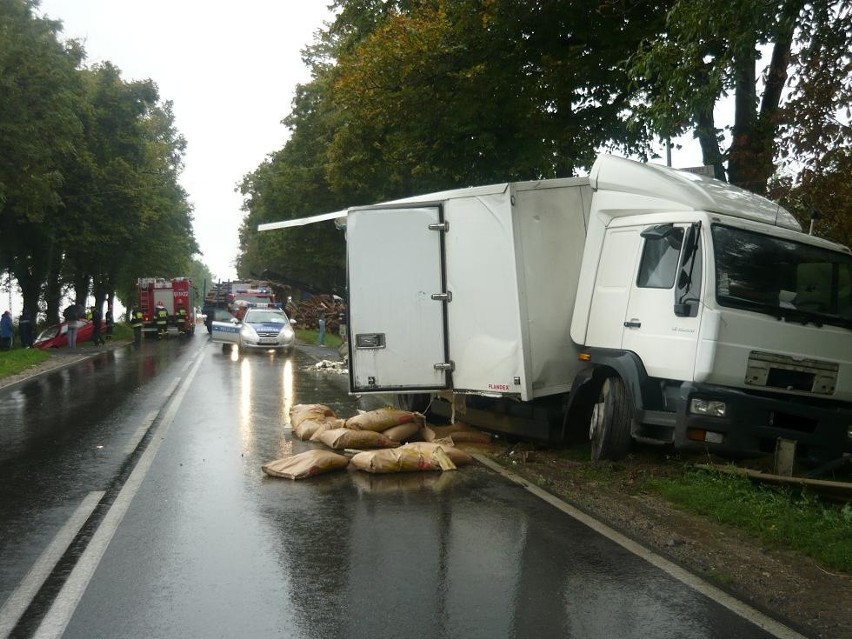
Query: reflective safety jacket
<point x="137" y="320"/>
<point x="162" y="316"/>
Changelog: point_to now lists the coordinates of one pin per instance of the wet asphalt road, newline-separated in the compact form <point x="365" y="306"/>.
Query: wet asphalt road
<point x="146" y="462"/>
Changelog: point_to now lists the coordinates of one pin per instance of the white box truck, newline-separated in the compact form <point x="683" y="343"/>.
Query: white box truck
<point x="640" y="304"/>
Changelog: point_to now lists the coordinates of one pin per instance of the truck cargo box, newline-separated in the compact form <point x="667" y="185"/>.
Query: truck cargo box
<point x="470" y="290"/>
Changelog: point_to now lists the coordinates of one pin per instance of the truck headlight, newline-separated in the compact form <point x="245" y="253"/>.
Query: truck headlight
<point x="709" y="407"/>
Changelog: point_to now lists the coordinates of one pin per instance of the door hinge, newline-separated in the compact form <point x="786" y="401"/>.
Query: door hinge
<point x="443" y="297"/>
<point x="445" y="366"/>
<point x="440" y="226"/>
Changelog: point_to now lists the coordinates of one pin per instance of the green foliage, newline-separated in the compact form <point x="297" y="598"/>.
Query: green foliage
<point x="777" y="516"/>
<point x="710" y="50"/>
<point x="89" y="192"/>
<point x="413" y="97"/>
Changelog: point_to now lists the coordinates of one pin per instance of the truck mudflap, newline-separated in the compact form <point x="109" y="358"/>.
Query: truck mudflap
<point x="737" y="423"/>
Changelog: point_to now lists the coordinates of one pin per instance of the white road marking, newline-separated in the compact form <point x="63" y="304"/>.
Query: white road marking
<point x="22" y="596"/>
<point x="54" y="623"/>
<point x="733" y="604"/>
<point x="172" y="387"/>
<point x="140" y="432"/>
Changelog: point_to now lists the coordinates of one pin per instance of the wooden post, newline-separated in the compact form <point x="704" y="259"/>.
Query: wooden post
<point x="785" y="457"/>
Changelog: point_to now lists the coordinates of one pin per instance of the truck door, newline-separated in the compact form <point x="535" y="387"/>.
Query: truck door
<point x="397" y="299"/>
<point x="662" y="320"/>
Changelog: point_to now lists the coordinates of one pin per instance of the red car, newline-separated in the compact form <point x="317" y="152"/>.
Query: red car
<point x="57" y="335"/>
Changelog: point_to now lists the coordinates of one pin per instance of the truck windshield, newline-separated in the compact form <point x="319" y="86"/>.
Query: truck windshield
<point x="786" y="279"/>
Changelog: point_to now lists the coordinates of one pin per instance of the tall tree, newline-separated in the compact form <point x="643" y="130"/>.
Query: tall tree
<point x="40" y="129"/>
<point x="709" y="50"/>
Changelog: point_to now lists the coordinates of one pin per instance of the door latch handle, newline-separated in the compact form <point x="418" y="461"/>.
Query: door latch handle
<point x="633" y="324"/>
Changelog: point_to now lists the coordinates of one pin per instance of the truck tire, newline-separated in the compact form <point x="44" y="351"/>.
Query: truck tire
<point x="609" y="425"/>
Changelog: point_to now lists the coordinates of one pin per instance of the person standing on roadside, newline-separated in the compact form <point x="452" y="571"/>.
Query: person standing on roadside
<point x="137" y="320"/>
<point x="97" y="340"/>
<point x="25" y="329"/>
<point x="72" y="314"/>
<point x="7" y="332"/>
<point x="109" y="322"/>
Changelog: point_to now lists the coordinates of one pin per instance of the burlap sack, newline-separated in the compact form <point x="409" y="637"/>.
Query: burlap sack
<point x="307" y="464"/>
<point x="342" y="438"/>
<point x="403" y="432"/>
<point x="457" y="455"/>
<point x="402" y="460"/>
<point x="330" y="424"/>
<point x="458" y="433"/>
<point x="310" y="427"/>
<point x="301" y="412"/>
<point x="383" y="418"/>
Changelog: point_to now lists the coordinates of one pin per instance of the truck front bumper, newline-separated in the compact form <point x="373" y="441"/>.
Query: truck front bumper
<point x="750" y="424"/>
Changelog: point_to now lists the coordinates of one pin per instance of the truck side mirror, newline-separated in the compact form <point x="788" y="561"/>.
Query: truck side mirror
<point x="683" y="309"/>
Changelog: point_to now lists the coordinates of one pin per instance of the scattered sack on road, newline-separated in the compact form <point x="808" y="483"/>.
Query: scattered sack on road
<point x="301" y="412"/>
<point x="310" y="427"/>
<point x="456" y="455"/>
<point x="381" y="419"/>
<point x="404" y="432"/>
<point x="457" y="432"/>
<point x="402" y="459"/>
<point x="307" y="464"/>
<point x="341" y="438"/>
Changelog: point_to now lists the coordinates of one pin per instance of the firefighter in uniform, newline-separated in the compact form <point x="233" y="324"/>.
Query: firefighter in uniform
<point x="137" y="320"/>
<point x="161" y="317"/>
<point x="181" y="320"/>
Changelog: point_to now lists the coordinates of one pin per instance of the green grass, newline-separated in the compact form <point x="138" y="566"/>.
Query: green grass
<point x="18" y="359"/>
<point x="311" y="336"/>
<point x="779" y="517"/>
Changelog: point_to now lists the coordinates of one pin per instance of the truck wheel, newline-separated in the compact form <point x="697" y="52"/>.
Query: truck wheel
<point x="609" y="426"/>
<point x="414" y="402"/>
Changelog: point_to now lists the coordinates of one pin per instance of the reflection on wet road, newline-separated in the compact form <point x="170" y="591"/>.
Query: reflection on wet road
<point x="212" y="547"/>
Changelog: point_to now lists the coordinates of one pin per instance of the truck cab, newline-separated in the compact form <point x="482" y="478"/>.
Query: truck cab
<point x="720" y="325"/>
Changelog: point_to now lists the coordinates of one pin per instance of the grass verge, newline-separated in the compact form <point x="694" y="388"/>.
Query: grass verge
<point x="311" y="336"/>
<point x="20" y="359"/>
<point x="779" y="517"/>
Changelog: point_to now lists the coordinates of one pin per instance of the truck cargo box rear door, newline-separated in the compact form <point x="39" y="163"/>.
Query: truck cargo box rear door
<point x="397" y="299"/>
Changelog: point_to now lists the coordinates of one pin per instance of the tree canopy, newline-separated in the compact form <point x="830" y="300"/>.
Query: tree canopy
<point x="413" y="96"/>
<point x="89" y="192"/>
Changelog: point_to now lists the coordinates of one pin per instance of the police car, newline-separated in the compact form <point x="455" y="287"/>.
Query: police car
<point x="259" y="329"/>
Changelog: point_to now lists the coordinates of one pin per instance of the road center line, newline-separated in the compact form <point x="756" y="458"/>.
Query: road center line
<point x="172" y="387"/>
<point x="140" y="432"/>
<point x="733" y="604"/>
<point x="56" y="620"/>
<point x="22" y="596"/>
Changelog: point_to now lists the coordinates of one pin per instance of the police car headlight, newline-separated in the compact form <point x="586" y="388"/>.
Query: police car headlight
<point x="248" y="332"/>
<point x="287" y="333"/>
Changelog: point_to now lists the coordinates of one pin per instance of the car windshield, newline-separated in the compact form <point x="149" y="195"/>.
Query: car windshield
<point x="265" y="317"/>
<point x="48" y="333"/>
<point x="787" y="279"/>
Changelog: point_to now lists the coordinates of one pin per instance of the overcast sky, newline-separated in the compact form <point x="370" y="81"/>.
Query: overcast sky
<point x="230" y="68"/>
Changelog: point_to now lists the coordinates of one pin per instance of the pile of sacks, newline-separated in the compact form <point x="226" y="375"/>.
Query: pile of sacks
<point x="389" y="440"/>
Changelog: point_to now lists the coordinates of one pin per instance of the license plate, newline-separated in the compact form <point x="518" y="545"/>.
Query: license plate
<point x="268" y="340"/>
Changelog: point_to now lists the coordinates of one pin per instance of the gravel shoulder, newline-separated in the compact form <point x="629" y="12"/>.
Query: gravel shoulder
<point x="783" y="584"/>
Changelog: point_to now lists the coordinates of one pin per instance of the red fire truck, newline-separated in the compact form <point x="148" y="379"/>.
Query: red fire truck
<point x="177" y="294"/>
